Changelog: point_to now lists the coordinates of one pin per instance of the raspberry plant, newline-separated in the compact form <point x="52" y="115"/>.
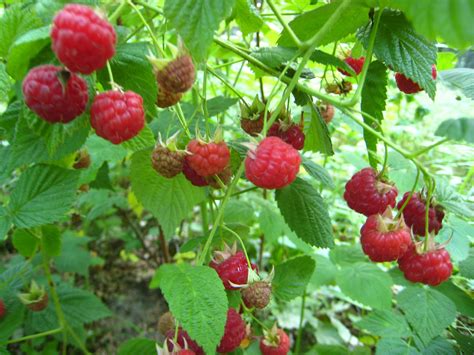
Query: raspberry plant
<point x="268" y="169"/>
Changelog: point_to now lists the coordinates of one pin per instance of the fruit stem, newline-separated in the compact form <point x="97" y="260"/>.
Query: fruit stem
<point x="241" y="243"/>
<point x="220" y="214"/>
<point x="300" y="327"/>
<point x="249" y="312"/>
<point x="111" y="75"/>
<point x="428" y="148"/>
<point x="182" y="120"/>
<point x="33" y="336"/>
<point x="118" y="11"/>
<point x="287" y="28"/>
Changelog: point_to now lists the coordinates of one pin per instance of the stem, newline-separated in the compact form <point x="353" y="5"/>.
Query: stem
<point x="77" y="339"/>
<point x="204" y="217"/>
<point x="33" y="336"/>
<point x="300" y="327"/>
<point x="204" y="102"/>
<point x="228" y="85"/>
<point x="220" y="214"/>
<point x="182" y="120"/>
<point x="116" y="14"/>
<point x="111" y="75"/>
<point x="164" y="245"/>
<point x="241" y="243"/>
<point x="292" y="34"/>
<point x="428" y="148"/>
<point x="427" y="214"/>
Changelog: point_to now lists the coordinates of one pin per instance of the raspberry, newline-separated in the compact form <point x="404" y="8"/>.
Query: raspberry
<point x="275" y="342"/>
<point x="39" y="305"/>
<point x="252" y="126"/>
<point x="327" y="112"/>
<point x="183" y="340"/>
<point x="192" y="175"/>
<point x="430" y="268"/>
<point x="3" y="309"/>
<point x="225" y="176"/>
<point x="117" y="116"/>
<point x="408" y="86"/>
<point x="231" y="266"/>
<point x="186" y="352"/>
<point x="415" y="214"/>
<point x="178" y="75"/>
<point x="167" y="162"/>
<point x="208" y="158"/>
<point x="82" y="161"/>
<point x="273" y="164"/>
<point x="82" y="40"/>
<point x="234" y="332"/>
<point x="385" y="239"/>
<point x="55" y="94"/>
<point x="355" y="63"/>
<point x="167" y="98"/>
<point x="343" y="88"/>
<point x="291" y="134"/>
<point x="368" y="194"/>
<point x="257" y="294"/>
<point x="166" y="323"/>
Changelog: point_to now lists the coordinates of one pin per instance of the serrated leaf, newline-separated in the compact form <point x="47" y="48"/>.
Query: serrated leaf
<point x="292" y="277"/>
<point x="328" y="59"/>
<point x="25" y="242"/>
<point x="196" y="297"/>
<point x="170" y="200"/>
<point x="309" y="23"/>
<point x="395" y="346"/>
<point x="15" y="276"/>
<point x="13" y="318"/>
<point x="247" y="17"/>
<point x="461" y="129"/>
<point x="346" y="255"/>
<point x="466" y="267"/>
<point x="219" y="104"/>
<point x="144" y="140"/>
<point x="74" y="256"/>
<point x="318" y="172"/>
<point x="385" y="324"/>
<point x="42" y="195"/>
<point x="5" y="85"/>
<point x="196" y="21"/>
<point x="450" y="20"/>
<point x="403" y="50"/>
<point x="459" y="79"/>
<point x="305" y="213"/>
<point x="51" y="240"/>
<point x="274" y="57"/>
<point x="373" y="97"/>
<point x="239" y="212"/>
<point x="317" y="135"/>
<point x="439" y="346"/>
<point x="5" y="222"/>
<point x="464" y="302"/>
<point x="140" y="346"/>
<point x="353" y="280"/>
<point x="428" y="311"/>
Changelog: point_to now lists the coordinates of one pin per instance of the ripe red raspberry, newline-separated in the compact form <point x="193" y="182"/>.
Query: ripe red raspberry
<point x="234" y="332"/>
<point x="183" y="340"/>
<point x="415" y="214"/>
<point x="192" y="175"/>
<point x="385" y="239"/>
<point x="273" y="164"/>
<point x="257" y="294"/>
<point x="167" y="98"/>
<point x="208" y="158"/>
<point x="327" y="112"/>
<point x="275" y="342"/>
<point x="430" y="268"/>
<point x="55" y="94"/>
<point x="3" y="309"/>
<point x="117" y="116"/>
<point x="408" y="86"/>
<point x="231" y="266"/>
<point x="167" y="162"/>
<point x="291" y="134"/>
<point x="82" y="40"/>
<point x="178" y="75"/>
<point x="355" y="63"/>
<point x="186" y="352"/>
<point x="225" y="176"/>
<point x="368" y="194"/>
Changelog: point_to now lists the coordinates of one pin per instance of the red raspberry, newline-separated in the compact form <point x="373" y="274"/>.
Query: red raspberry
<point x="257" y="294"/>
<point x="186" y="352"/>
<point x="166" y="162"/>
<point x="192" y="175"/>
<point x="415" y="214"/>
<point x="273" y="164"/>
<point x="408" y="86"/>
<point x="117" y="116"/>
<point x="178" y="75"/>
<point x="291" y="134"/>
<point x="208" y="158"/>
<point x="82" y="40"/>
<point x="385" y="239"/>
<point x="355" y="63"/>
<point x="55" y="94"/>
<point x="183" y="340"/>
<point x="166" y="98"/>
<point x="3" y="309"/>
<point x="368" y="194"/>
<point x="231" y="267"/>
<point x="252" y="126"/>
<point x="430" y="268"/>
<point x="275" y="342"/>
<point x="234" y="332"/>
<point x="327" y="112"/>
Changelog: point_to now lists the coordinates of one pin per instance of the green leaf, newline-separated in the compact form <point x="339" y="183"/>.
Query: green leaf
<point x="318" y="172"/>
<point x="373" y="97"/>
<point x="461" y="129"/>
<point x="306" y="213"/>
<point x="403" y="50"/>
<point x="466" y="267"/>
<point x="292" y="277"/>
<point x="325" y="272"/>
<point x="144" y="140"/>
<point x="466" y="342"/>
<point x="394" y="346"/>
<point x="196" y="21"/>
<point x="439" y="346"/>
<point x="385" y="324"/>
<point x="459" y="79"/>
<point x="140" y="346"/>
<point x="74" y="256"/>
<point x="42" y="195"/>
<point x="132" y="71"/>
<point x="247" y="17"/>
<point x="196" y="297"/>
<point x="25" y="242"/>
<point x="328" y="59"/>
<point x="464" y="303"/>
<point x="354" y="280"/>
<point x="170" y="200"/>
<point x="309" y="23"/>
<point x="428" y="311"/>
<point x="5" y="85"/>
<point x="15" y="276"/>
<point x="317" y="135"/>
<point x="219" y="104"/>
<point x="274" y="57"/>
<point x="239" y="212"/>
<point x="51" y="240"/>
<point x="449" y="20"/>
<point x="345" y="255"/>
<point x="5" y="222"/>
<point x="13" y="318"/>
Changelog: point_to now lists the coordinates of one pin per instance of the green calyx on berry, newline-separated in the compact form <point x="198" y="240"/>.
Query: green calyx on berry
<point x="386" y="222"/>
<point x="36" y="298"/>
<point x="253" y="111"/>
<point x="272" y="336"/>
